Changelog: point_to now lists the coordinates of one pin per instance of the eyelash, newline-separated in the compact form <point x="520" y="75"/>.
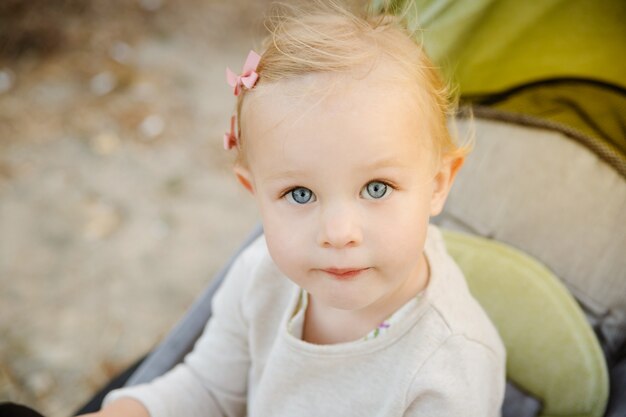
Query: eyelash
<point x="387" y="183"/>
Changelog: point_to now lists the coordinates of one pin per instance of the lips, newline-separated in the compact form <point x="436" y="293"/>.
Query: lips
<point x="344" y="273"/>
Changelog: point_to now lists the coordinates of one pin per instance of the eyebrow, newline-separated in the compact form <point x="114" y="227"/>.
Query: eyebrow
<point x="377" y="164"/>
<point x="386" y="162"/>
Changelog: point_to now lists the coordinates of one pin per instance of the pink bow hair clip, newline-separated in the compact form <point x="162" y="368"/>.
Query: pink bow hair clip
<point x="248" y="77"/>
<point x="230" y="138"/>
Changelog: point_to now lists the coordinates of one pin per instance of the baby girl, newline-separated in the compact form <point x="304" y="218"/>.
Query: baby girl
<point x="348" y="304"/>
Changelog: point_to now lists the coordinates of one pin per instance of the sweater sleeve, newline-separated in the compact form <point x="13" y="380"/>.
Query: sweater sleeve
<point x="213" y="378"/>
<point x="462" y="378"/>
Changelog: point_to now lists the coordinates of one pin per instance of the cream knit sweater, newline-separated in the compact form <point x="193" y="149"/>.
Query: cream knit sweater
<point x="444" y="358"/>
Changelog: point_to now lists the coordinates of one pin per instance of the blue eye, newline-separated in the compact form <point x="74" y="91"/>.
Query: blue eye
<point x="375" y="190"/>
<point x="300" y="195"/>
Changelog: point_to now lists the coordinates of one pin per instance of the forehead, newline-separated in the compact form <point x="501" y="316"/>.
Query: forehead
<point x="340" y="118"/>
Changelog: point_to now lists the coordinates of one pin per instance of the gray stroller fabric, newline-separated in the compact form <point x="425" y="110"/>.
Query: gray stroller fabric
<point x="617" y="399"/>
<point x="518" y="403"/>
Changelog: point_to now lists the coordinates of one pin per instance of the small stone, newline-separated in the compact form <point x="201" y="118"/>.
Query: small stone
<point x="144" y="91"/>
<point x="7" y="79"/>
<point x="174" y="186"/>
<point x="160" y="229"/>
<point x="121" y="52"/>
<point x="6" y="172"/>
<point x="102" y="220"/>
<point x="151" y="5"/>
<point x="105" y="143"/>
<point x="40" y="383"/>
<point x="103" y="83"/>
<point x="152" y="126"/>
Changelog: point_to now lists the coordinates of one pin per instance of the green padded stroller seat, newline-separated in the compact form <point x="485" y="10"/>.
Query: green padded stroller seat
<point x="552" y="352"/>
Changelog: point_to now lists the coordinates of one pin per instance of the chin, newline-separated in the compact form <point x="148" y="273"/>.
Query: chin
<point x="343" y="301"/>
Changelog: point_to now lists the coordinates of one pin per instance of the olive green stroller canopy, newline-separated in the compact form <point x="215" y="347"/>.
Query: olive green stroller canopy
<point x="537" y="216"/>
<point x="555" y="60"/>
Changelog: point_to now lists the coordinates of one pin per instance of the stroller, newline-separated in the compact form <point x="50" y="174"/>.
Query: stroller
<point x="537" y="216"/>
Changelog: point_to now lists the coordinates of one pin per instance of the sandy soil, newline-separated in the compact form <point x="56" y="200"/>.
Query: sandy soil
<point x="117" y="203"/>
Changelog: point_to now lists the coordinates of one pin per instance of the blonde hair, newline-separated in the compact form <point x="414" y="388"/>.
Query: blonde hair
<point x="329" y="36"/>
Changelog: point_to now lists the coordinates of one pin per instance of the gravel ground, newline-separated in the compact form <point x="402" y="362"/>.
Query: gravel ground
<point x="117" y="203"/>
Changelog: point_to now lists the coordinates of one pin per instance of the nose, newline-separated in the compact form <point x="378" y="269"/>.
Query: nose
<point x="339" y="228"/>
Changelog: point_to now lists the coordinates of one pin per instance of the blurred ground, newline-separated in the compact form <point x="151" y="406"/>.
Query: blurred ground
<point x="116" y="199"/>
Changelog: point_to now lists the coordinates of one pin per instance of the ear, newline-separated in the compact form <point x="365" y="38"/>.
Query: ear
<point x="442" y="183"/>
<point x="245" y="177"/>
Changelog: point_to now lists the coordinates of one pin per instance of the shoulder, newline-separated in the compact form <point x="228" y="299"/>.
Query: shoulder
<point x="451" y="302"/>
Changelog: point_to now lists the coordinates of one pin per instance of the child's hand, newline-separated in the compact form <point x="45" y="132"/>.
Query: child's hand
<point x="124" y="407"/>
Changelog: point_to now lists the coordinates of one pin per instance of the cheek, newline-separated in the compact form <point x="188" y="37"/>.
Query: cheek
<point x="285" y="241"/>
<point x="399" y="231"/>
